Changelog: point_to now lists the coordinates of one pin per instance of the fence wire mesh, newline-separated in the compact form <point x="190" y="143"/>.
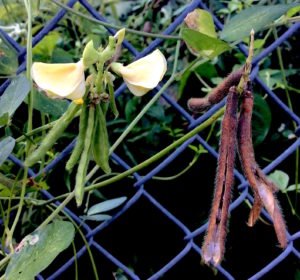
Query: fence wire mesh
<point x="138" y="186"/>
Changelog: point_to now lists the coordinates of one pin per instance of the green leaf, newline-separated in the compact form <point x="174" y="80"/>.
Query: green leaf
<point x="273" y="78"/>
<point x="54" y="107"/>
<point x="6" y="147"/>
<point x="202" y="44"/>
<point x="293" y="188"/>
<point x="38" y="250"/>
<point x="157" y="112"/>
<point x="61" y="56"/>
<point x="293" y="11"/>
<point x="4" y="190"/>
<point x="8" y="58"/>
<point x="106" y="205"/>
<point x="201" y="21"/>
<point x="14" y="95"/>
<point x="45" y="48"/>
<point x="183" y="82"/>
<point x="98" y="218"/>
<point x="7" y="184"/>
<point x="131" y="108"/>
<point x="256" y="17"/>
<point x="280" y="178"/>
<point x="206" y="70"/>
<point x="4" y="119"/>
<point x="261" y="119"/>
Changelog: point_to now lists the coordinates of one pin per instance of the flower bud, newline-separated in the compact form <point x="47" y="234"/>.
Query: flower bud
<point x="90" y="55"/>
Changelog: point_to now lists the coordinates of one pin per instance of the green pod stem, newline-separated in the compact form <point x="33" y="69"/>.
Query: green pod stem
<point x="81" y="137"/>
<point x="100" y="141"/>
<point x="112" y="100"/>
<point x="84" y="159"/>
<point x="53" y="134"/>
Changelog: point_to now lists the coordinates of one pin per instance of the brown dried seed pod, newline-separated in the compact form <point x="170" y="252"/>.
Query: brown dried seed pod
<point x="217" y="94"/>
<point x="263" y="188"/>
<point x="213" y="246"/>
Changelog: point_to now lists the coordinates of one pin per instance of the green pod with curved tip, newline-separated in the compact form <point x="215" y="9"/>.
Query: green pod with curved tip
<point x="53" y="134"/>
<point x="100" y="141"/>
<point x="112" y="100"/>
<point x="80" y="140"/>
<point x="84" y="159"/>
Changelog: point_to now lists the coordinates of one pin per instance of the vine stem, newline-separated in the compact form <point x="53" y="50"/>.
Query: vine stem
<point x="36" y="130"/>
<point x="138" y="167"/>
<point x="28" y="5"/>
<point x="70" y="196"/>
<point x="116" y="27"/>
<point x="141" y="113"/>
<point x="160" y="154"/>
<point x="83" y="238"/>
<point x="283" y="75"/>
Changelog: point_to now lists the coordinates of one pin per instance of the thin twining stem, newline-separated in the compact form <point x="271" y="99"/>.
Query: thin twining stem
<point x="213" y="247"/>
<point x="263" y="188"/>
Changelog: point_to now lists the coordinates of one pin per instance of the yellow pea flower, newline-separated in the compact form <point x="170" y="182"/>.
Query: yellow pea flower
<point x="144" y="74"/>
<point x="61" y="80"/>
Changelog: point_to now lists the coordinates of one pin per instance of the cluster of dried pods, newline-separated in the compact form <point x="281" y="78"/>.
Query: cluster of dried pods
<point x="236" y="132"/>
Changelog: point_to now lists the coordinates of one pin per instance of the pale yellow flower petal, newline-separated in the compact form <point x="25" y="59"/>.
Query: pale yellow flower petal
<point x="147" y="71"/>
<point x="137" y="90"/>
<point x="143" y="74"/>
<point x="62" y="80"/>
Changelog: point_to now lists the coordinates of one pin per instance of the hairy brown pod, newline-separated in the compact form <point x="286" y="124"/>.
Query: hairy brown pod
<point x="217" y="94"/>
<point x="213" y="246"/>
<point x="263" y="188"/>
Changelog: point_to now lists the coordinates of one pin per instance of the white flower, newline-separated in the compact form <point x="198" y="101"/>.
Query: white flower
<point x="61" y="80"/>
<point x="144" y="74"/>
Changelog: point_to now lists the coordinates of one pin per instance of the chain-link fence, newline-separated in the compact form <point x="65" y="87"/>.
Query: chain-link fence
<point x="138" y="186"/>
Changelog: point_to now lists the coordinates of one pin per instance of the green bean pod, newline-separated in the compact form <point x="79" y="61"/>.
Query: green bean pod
<point x="112" y="100"/>
<point x="100" y="141"/>
<point x="53" y="134"/>
<point x="84" y="159"/>
<point x="80" y="140"/>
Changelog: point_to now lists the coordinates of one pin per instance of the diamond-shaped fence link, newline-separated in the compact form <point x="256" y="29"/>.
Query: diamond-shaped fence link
<point x="140" y="192"/>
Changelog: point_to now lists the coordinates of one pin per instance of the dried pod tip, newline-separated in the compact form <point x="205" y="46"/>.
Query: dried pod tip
<point x="198" y="104"/>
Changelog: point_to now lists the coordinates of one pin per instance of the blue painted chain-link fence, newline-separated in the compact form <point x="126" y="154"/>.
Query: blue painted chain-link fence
<point x="189" y="236"/>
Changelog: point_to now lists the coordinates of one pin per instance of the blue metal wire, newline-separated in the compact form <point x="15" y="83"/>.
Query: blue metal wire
<point x="138" y="185"/>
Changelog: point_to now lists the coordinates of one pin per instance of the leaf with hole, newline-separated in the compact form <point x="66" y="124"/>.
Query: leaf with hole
<point x="37" y="250"/>
<point x="106" y="205"/>
<point x="202" y="21"/>
<point x="256" y="17"/>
